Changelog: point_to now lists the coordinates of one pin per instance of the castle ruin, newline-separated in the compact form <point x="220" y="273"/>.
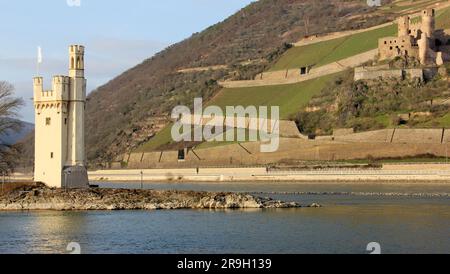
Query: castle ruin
<point x="418" y="39"/>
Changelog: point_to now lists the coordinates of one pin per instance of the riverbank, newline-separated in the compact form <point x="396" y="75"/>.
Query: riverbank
<point x="388" y="173"/>
<point x="40" y="197"/>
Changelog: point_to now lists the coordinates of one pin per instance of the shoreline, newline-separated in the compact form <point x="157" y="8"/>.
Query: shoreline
<point x="38" y="197"/>
<point x="393" y="173"/>
<point x="431" y="173"/>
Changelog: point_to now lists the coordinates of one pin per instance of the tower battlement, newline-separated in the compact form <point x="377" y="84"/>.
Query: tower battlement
<point x="76" y="60"/>
<point x="76" y="49"/>
<point x="430" y="12"/>
<point x="59" y="92"/>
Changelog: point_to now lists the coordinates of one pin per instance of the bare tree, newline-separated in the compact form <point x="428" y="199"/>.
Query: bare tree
<point x="9" y="105"/>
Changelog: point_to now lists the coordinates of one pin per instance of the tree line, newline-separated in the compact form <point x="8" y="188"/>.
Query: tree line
<point x="9" y="107"/>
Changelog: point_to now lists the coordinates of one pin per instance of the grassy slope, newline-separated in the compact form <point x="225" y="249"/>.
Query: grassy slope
<point x="333" y="50"/>
<point x="290" y="98"/>
<point x="162" y="138"/>
<point x="443" y="19"/>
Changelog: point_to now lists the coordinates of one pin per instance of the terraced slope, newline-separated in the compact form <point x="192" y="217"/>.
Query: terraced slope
<point x="323" y="53"/>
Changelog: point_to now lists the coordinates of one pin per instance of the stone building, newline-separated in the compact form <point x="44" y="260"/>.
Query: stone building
<point x="59" y="127"/>
<point x="418" y="39"/>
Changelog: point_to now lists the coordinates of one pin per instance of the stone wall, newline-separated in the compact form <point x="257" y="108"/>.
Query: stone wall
<point x="293" y="76"/>
<point x="386" y="143"/>
<point x="372" y="73"/>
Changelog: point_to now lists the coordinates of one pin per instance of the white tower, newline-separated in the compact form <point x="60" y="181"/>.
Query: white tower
<point x="59" y="130"/>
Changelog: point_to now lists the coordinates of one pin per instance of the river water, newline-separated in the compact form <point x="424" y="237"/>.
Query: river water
<point x="352" y="216"/>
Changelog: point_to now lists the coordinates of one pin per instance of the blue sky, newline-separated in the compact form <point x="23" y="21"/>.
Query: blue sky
<point x="117" y="35"/>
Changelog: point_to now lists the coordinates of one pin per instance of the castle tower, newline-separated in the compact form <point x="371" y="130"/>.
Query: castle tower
<point x="59" y="127"/>
<point x="77" y="103"/>
<point x="428" y="22"/>
<point x="424" y="45"/>
<point x="403" y="26"/>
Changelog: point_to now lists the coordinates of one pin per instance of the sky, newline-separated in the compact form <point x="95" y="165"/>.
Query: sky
<point x="117" y="35"/>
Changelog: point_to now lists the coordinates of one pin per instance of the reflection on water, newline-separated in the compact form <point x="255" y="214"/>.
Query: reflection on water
<point x="346" y="223"/>
<point x="400" y="226"/>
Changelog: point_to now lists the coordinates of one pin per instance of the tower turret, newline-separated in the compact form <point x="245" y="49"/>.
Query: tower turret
<point x="403" y="26"/>
<point x="428" y="22"/>
<point x="38" y="88"/>
<point x="424" y="45"/>
<point x="38" y="85"/>
<point x="77" y="101"/>
<point x="76" y="61"/>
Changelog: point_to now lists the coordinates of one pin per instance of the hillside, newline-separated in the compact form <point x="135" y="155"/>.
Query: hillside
<point x="127" y="112"/>
<point x="11" y="137"/>
<point x="376" y="104"/>
<point x="292" y="98"/>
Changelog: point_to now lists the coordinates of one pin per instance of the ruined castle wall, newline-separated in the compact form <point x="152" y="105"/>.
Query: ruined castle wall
<point x="414" y="73"/>
<point x="390" y="47"/>
<point x="367" y="73"/>
<point x="371" y="75"/>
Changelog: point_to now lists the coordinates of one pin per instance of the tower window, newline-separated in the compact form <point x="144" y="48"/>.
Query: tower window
<point x="48" y="121"/>
<point x="65" y="121"/>
<point x="51" y="155"/>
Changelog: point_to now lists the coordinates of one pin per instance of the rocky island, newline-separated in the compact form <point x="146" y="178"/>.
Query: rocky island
<point x="41" y="197"/>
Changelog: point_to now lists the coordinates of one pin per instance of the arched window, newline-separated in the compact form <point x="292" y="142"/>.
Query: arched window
<point x="78" y="63"/>
<point x="72" y="63"/>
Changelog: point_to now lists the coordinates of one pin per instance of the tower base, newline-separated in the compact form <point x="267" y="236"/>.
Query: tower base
<point x="75" y="177"/>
